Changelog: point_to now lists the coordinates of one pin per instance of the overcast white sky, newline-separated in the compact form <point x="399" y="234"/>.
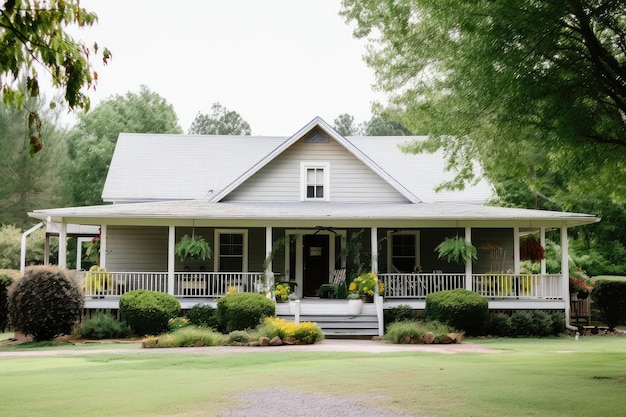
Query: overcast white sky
<point x="279" y="63"/>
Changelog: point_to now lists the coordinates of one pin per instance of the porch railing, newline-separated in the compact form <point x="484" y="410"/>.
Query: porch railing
<point x="419" y="285"/>
<point x="186" y="284"/>
<point x="548" y="286"/>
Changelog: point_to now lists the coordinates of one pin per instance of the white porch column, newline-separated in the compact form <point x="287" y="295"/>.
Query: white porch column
<point x="565" y="273"/>
<point x="516" y="245"/>
<point x="374" y="247"/>
<point x="171" y="260"/>
<point x="63" y="246"/>
<point x="269" y="268"/>
<point x="468" y="263"/>
<point x="23" y="245"/>
<point x="103" y="245"/>
<point x="542" y="240"/>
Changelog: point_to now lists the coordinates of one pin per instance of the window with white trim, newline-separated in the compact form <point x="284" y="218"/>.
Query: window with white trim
<point x="403" y="252"/>
<point x="315" y="181"/>
<point x="231" y="251"/>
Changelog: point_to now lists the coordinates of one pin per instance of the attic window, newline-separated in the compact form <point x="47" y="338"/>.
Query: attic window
<point x="316" y="137"/>
<point x="315" y="181"/>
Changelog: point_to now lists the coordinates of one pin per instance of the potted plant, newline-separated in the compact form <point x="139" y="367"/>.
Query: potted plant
<point x="193" y="247"/>
<point x="531" y="250"/>
<point x="355" y="304"/>
<point x="281" y="292"/>
<point x="580" y="285"/>
<point x="98" y="282"/>
<point x="456" y="250"/>
<point x="365" y="286"/>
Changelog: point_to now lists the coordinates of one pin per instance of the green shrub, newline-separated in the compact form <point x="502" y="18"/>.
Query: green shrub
<point x="241" y="311"/>
<point x="610" y="298"/>
<point x="45" y="303"/>
<point x="462" y="309"/>
<point x="148" y="312"/>
<point x="542" y="323"/>
<point x="409" y="330"/>
<point x="522" y="323"/>
<point x="398" y="313"/>
<point x="558" y="322"/>
<point x="186" y="337"/>
<point x="101" y="326"/>
<point x="238" y="336"/>
<point x="501" y="325"/>
<point x="202" y="315"/>
<point x="5" y="281"/>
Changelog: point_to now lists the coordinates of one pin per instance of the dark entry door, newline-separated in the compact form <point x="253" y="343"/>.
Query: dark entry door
<point x="316" y="267"/>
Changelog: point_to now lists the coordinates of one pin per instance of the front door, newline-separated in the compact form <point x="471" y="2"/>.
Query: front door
<point x="316" y="264"/>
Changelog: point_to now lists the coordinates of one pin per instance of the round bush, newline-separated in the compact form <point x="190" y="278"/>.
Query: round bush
<point x="5" y="281"/>
<point x="45" y="303"/>
<point x="522" y="323"/>
<point x="241" y="311"/>
<point x="147" y="312"/>
<point x="202" y="315"/>
<point x="462" y="309"/>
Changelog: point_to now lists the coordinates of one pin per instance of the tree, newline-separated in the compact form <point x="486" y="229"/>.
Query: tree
<point x="501" y="82"/>
<point x="379" y="126"/>
<point x="221" y="122"/>
<point x="344" y="125"/>
<point x="93" y="139"/>
<point x="29" y="182"/>
<point x="33" y="39"/>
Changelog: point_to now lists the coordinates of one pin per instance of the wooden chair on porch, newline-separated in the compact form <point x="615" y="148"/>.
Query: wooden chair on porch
<point x="330" y="290"/>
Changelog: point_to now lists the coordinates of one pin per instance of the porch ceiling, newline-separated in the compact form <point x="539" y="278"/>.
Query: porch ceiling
<point x="181" y="212"/>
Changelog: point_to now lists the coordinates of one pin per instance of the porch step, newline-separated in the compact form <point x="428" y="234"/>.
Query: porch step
<point x="341" y="325"/>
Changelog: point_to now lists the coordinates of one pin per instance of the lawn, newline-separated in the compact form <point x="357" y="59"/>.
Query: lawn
<point x="546" y="377"/>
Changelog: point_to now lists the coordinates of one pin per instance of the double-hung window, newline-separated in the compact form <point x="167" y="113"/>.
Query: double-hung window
<point x="231" y="251"/>
<point x="315" y="181"/>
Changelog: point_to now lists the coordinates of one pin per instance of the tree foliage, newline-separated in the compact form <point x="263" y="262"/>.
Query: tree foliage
<point x="34" y="40"/>
<point x="94" y="137"/>
<point x="221" y="122"/>
<point x="525" y="85"/>
<point x="26" y="182"/>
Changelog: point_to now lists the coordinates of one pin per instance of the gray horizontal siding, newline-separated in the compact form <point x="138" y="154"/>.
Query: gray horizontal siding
<point x="136" y="249"/>
<point x="350" y="179"/>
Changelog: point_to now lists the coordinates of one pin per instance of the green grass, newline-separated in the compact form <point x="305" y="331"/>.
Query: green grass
<point x="540" y="377"/>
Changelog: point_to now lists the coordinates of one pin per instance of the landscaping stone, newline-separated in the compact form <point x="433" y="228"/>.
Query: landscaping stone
<point x="429" y="338"/>
<point x="264" y="341"/>
<point x="276" y="341"/>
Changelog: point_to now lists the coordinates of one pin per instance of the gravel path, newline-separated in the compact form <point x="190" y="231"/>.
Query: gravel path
<point x="327" y="345"/>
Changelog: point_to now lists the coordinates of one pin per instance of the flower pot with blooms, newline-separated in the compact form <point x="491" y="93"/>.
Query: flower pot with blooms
<point x="365" y="285"/>
<point x="580" y="284"/>
<point x="282" y="291"/>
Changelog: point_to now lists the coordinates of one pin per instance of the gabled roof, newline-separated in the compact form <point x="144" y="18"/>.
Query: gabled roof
<point x="321" y="124"/>
<point x="161" y="167"/>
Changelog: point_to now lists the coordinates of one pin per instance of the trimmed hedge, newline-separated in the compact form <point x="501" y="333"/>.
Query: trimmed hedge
<point x="241" y="311"/>
<point x="610" y="297"/>
<point x="536" y="323"/>
<point x="45" y="303"/>
<point x="147" y="312"/>
<point x="460" y="308"/>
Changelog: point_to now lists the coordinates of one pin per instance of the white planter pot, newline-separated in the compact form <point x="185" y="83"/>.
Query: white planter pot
<point x="355" y="307"/>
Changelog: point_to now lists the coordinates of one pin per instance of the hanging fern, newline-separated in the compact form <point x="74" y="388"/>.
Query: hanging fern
<point x="531" y="249"/>
<point x="193" y="247"/>
<point x="456" y="250"/>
